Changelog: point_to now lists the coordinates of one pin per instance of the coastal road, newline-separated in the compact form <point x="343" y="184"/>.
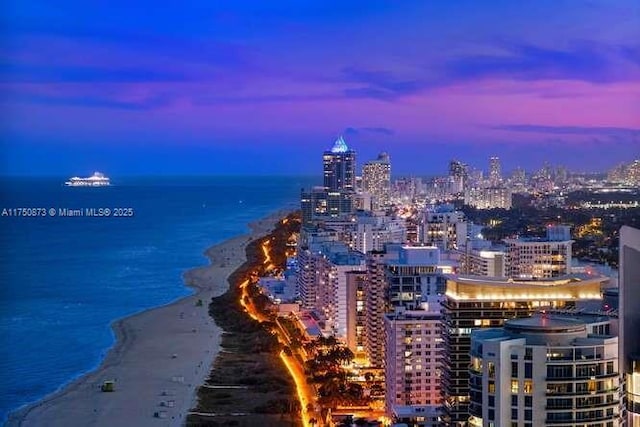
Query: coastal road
<point x="306" y="393"/>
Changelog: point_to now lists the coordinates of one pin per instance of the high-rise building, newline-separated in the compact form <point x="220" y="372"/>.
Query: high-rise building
<point x="494" y="197"/>
<point x="376" y="306"/>
<point x="372" y="233"/>
<point x="629" y="313"/>
<point x="413" y="366"/>
<point x="484" y="262"/>
<point x="310" y="243"/>
<point x="495" y="172"/>
<point x="320" y="203"/>
<point x="356" y="282"/>
<point x="444" y="228"/>
<point x="473" y="302"/>
<point x="458" y="174"/>
<point x="339" y="167"/>
<point x="535" y="258"/>
<point x="546" y="370"/>
<point x="414" y="277"/>
<point x="376" y="180"/>
<point x="335" y="260"/>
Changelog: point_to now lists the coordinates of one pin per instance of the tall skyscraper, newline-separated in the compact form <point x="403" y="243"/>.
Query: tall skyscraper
<point x="376" y="306"/>
<point x="339" y="167"/>
<point x="413" y="366"/>
<point x="495" y="171"/>
<point x="458" y="174"/>
<point x="630" y="320"/>
<point x="376" y="180"/>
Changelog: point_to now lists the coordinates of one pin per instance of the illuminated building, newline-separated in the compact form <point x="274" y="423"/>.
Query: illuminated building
<point x="495" y="172"/>
<point x="540" y="258"/>
<point x="414" y="277"/>
<point x="547" y="369"/>
<point x="356" y="282"/>
<point x="310" y="242"/>
<point x="413" y="363"/>
<point x="362" y="201"/>
<point x="306" y="280"/>
<point x="320" y="203"/>
<point x="473" y="302"/>
<point x="493" y="197"/>
<point x="485" y="262"/>
<point x="374" y="234"/>
<point x="334" y="261"/>
<point x="336" y="197"/>
<point x="339" y="167"/>
<point x="444" y="228"/>
<point x="458" y="175"/>
<point x="376" y="180"/>
<point x="376" y="305"/>
<point x="629" y="313"/>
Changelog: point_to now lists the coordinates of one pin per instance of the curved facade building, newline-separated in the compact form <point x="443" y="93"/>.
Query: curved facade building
<point x="546" y="370"/>
<point x="485" y="302"/>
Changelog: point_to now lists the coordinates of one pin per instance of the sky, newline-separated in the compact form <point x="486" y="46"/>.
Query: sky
<point x="263" y="87"/>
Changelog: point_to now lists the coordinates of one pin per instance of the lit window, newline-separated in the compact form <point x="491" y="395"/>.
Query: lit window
<point x="527" y="386"/>
<point x="514" y="386"/>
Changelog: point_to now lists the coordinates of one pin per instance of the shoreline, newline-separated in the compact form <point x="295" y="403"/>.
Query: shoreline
<point x="160" y="355"/>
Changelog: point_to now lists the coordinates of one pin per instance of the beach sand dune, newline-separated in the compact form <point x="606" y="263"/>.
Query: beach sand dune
<point x="160" y="358"/>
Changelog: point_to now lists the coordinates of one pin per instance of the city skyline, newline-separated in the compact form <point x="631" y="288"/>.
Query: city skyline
<point x="202" y="88"/>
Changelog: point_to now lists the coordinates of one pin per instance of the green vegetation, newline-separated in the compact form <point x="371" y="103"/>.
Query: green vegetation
<point x="261" y="388"/>
<point x="599" y="246"/>
<point x="325" y="368"/>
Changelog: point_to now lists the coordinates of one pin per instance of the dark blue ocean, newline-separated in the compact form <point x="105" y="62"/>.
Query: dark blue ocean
<point x="65" y="279"/>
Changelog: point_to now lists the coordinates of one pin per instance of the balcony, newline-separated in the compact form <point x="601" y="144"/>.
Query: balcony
<point x="582" y="393"/>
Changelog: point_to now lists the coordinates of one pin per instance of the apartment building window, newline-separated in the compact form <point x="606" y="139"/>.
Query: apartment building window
<point x="491" y="367"/>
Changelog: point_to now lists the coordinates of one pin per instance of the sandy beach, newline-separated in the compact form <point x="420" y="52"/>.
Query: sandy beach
<point x="159" y="359"/>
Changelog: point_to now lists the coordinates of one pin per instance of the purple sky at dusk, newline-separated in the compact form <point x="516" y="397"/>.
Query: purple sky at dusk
<point x="218" y="87"/>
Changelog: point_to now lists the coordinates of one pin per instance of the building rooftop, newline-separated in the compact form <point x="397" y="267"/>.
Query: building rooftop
<point x="546" y="323"/>
<point x="340" y="146"/>
<point x="569" y="287"/>
<point x="560" y="280"/>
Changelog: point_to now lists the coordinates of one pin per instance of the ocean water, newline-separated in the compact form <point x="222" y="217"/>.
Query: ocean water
<point x="65" y="279"/>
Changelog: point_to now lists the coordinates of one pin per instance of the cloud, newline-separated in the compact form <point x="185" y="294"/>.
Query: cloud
<point x="619" y="134"/>
<point x="581" y="61"/>
<point x="568" y="130"/>
<point x="584" y="61"/>
<point x="381" y="85"/>
<point x="370" y="130"/>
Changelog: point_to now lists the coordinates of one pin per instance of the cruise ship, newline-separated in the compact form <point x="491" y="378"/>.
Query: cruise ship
<point x="96" y="180"/>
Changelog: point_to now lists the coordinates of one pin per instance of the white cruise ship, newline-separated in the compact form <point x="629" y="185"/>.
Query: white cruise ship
<point x="96" y="180"/>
